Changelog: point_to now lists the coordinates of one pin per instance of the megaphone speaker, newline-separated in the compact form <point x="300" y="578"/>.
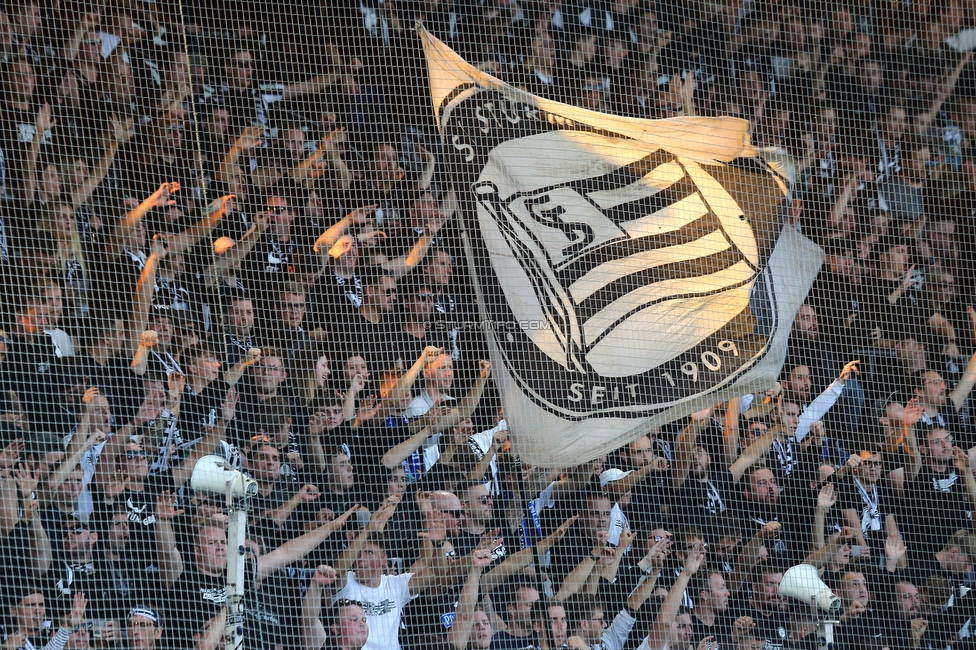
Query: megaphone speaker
<point x="802" y="583"/>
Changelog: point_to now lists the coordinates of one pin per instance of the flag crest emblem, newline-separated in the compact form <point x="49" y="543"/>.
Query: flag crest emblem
<point x="628" y="272"/>
<point x="607" y="256"/>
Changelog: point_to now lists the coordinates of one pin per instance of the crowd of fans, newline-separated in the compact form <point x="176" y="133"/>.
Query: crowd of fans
<point x="228" y="228"/>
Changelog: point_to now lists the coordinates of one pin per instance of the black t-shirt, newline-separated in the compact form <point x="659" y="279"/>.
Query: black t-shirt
<point x="29" y="366"/>
<point x="125" y="583"/>
<point x="365" y="192"/>
<point x="721" y="630"/>
<point x="268" y="259"/>
<point x="935" y="506"/>
<point x="772" y="627"/>
<point x="951" y="627"/>
<point x="335" y="301"/>
<point x="504" y="641"/>
<point x="201" y="409"/>
<point x="645" y="510"/>
<point x="427" y="618"/>
<point x="194" y="599"/>
<point x="260" y="505"/>
<point x="367" y="449"/>
<point x="837" y="300"/>
<point x="697" y="501"/>
<point x="141" y="513"/>
<point x="923" y="566"/>
<point x="863" y="631"/>
<point x="250" y="404"/>
<point x="464" y="544"/>
<point x="114" y="277"/>
<point x="273" y="613"/>
<point x="121" y="386"/>
<point x="375" y="342"/>
<point x="752" y="518"/>
<point x="897" y="321"/>
<point x="408" y="347"/>
<point x="67" y="579"/>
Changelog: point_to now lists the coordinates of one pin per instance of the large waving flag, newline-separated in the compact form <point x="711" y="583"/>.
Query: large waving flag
<point x="629" y="272"/>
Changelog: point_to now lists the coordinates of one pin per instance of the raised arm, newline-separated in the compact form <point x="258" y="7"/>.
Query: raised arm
<point x="852" y="519"/>
<point x="946" y="87"/>
<point x="233" y="374"/>
<point x="376" y="524"/>
<point x="42" y="122"/>
<point x="430" y="164"/>
<point x="167" y="552"/>
<point x="406" y="381"/>
<point x="460" y="630"/>
<point x="826" y="499"/>
<point x="72" y="45"/>
<point x="356" y="386"/>
<point x="83" y="430"/>
<point x="143" y="295"/>
<point x="467" y="404"/>
<point x="330" y="147"/>
<point x="910" y="416"/>
<point x="960" y="461"/>
<point x="686" y="442"/>
<point x="576" y="578"/>
<point x="669" y="608"/>
<point x="749" y="555"/>
<point x="575" y="480"/>
<point x="9" y="515"/>
<point x="204" y="446"/>
<point x="215" y="211"/>
<point x="761" y="408"/>
<point x="213" y="632"/>
<point x="296" y="549"/>
<point x="161" y="198"/>
<point x="121" y="133"/>
<point x="317" y="84"/>
<point x="402" y="451"/>
<point x="236" y="254"/>
<point x="825" y="401"/>
<point x="652" y="564"/>
<point x="523" y="558"/>
<point x="140" y="358"/>
<point x="751" y="454"/>
<point x="403" y="265"/>
<point x="47" y="489"/>
<point x="249" y="140"/>
<point x="821" y="556"/>
<point x="609" y="572"/>
<point x="313" y="632"/>
<point x="635" y="478"/>
<point x="480" y="468"/>
<point x="965" y="385"/>
<point x="358" y="217"/>
<point x="280" y="515"/>
<point x="39" y="545"/>
<point x="730" y="429"/>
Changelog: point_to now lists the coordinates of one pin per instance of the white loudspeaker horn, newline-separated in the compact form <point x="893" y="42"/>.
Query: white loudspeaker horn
<point x="802" y="583"/>
<point x="213" y="475"/>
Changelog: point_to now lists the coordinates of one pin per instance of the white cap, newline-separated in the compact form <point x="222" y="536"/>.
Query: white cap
<point x="611" y="475"/>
